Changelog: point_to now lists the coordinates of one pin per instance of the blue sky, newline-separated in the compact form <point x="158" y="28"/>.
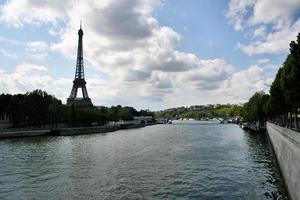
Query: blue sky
<point x="147" y="53"/>
<point x="206" y="31"/>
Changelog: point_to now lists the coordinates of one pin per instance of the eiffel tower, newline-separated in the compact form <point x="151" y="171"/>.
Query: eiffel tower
<point x="79" y="81"/>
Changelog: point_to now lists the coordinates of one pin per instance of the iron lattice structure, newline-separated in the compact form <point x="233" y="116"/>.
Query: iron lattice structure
<point x="79" y="81"/>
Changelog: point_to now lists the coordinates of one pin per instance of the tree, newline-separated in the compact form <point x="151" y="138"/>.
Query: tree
<point x="37" y="108"/>
<point x="277" y="105"/>
<point x="256" y="108"/>
<point x="290" y="80"/>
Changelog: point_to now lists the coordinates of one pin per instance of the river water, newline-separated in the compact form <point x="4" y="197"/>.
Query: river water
<point x="176" y="161"/>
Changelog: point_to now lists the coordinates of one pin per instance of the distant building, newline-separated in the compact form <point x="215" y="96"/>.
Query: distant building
<point x="136" y="121"/>
<point x="196" y="107"/>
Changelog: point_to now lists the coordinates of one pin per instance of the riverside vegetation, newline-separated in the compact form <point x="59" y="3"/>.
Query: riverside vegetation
<point x="282" y="105"/>
<point x="38" y="109"/>
<point x="201" y="112"/>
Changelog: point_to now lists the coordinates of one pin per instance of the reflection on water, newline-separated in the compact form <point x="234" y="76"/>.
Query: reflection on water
<point x="198" y="161"/>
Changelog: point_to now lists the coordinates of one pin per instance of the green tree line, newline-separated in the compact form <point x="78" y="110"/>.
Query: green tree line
<point x="283" y="103"/>
<point x="204" y="112"/>
<point x="37" y="108"/>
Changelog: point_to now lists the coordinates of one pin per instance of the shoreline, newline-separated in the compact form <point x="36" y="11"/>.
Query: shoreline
<point x="286" y="146"/>
<point x="68" y="131"/>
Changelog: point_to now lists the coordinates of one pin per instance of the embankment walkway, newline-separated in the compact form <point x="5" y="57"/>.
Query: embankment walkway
<point x="286" y="144"/>
<point x="67" y="131"/>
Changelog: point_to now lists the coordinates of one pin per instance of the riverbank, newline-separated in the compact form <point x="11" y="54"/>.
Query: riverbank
<point x="286" y="144"/>
<point x="68" y="131"/>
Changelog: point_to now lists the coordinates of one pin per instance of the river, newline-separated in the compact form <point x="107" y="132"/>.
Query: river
<point x="174" y="161"/>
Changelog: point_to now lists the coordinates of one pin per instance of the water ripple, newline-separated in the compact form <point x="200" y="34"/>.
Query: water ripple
<point x="197" y="161"/>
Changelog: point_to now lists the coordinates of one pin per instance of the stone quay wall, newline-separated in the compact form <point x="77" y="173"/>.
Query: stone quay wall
<point x="286" y="144"/>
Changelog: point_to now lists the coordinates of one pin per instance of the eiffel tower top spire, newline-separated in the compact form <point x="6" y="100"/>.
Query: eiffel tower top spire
<point x="79" y="81"/>
<point x="79" y="73"/>
<point x="80" y="31"/>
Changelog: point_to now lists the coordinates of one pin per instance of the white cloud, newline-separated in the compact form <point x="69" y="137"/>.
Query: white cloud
<point x="37" y="49"/>
<point x="209" y="75"/>
<point x="274" y="42"/>
<point x="260" y="31"/>
<point x="273" y="11"/>
<point x="9" y="41"/>
<point x="263" y="61"/>
<point x="28" y="77"/>
<point x="7" y="54"/>
<point x="274" y="22"/>
<point x="244" y="82"/>
<point x="20" y="12"/>
<point x="237" y="12"/>
<point x="144" y="68"/>
<point x="3" y="82"/>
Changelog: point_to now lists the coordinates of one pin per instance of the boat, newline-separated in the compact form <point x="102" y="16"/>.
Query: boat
<point x="254" y="127"/>
<point x="245" y="126"/>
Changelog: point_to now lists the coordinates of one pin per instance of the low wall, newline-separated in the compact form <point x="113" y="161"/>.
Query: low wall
<point x="10" y="133"/>
<point x="95" y="129"/>
<point x="286" y="144"/>
<point x="13" y="134"/>
<point x="5" y="125"/>
<point x="84" y="130"/>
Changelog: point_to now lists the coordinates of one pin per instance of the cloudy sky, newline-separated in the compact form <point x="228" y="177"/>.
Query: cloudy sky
<point x="147" y="53"/>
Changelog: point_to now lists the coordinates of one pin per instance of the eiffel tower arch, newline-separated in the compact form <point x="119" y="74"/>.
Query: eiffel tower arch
<point x="79" y="81"/>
